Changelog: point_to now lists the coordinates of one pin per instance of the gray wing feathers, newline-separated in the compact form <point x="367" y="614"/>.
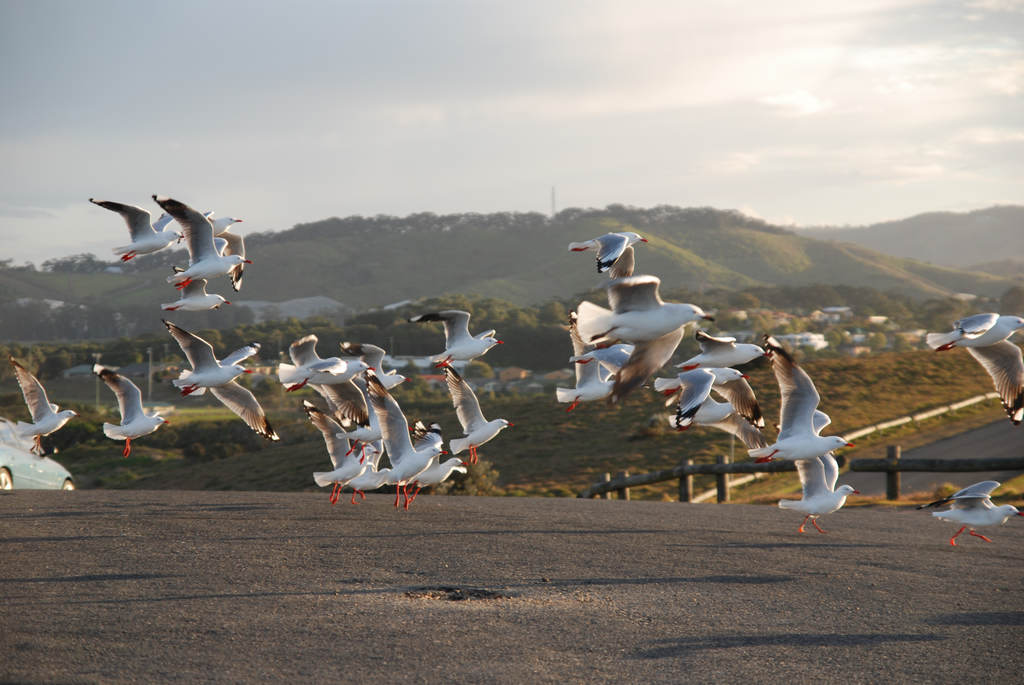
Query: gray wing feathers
<point x="799" y="396"/>
<point x="467" y="407"/>
<point x="635" y="293"/>
<point x="337" y="447"/>
<point x="748" y="434"/>
<point x="241" y="354"/>
<point x="197" y="229"/>
<point x="647" y="358"/>
<point x="242" y="402"/>
<point x="394" y="427"/>
<point x="137" y="218"/>
<point x="623" y="266"/>
<point x="129" y="398"/>
<point x="303" y="351"/>
<point x="32" y="390"/>
<point x="741" y="396"/>
<point x="1004" y="363"/>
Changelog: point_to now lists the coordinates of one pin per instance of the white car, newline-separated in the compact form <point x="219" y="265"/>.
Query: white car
<point x="21" y="469"/>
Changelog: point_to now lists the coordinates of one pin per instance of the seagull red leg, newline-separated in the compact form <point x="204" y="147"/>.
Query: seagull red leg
<point x="574" y="404"/>
<point x="762" y="460"/>
<point x="804" y="523"/>
<point x="952" y="540"/>
<point x="979" y="535"/>
<point x="127" y="447"/>
<point x="814" y="522"/>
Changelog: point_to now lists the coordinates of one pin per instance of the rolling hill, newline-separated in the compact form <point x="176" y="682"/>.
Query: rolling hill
<point x="522" y="258"/>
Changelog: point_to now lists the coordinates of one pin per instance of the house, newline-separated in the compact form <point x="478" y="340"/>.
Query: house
<point x="512" y="373"/>
<point x="559" y="376"/>
<point x="877" y="320"/>
<point x="815" y="341"/>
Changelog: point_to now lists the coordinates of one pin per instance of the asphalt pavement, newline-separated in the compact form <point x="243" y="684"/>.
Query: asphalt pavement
<point x="132" y="586"/>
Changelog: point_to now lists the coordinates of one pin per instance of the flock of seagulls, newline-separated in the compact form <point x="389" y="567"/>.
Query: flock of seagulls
<point x="616" y="350"/>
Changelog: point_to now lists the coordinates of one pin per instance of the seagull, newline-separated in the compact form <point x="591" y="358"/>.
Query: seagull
<point x="722" y="416"/>
<point x="459" y="344"/>
<point x="372" y="478"/>
<point x="591" y="383"/>
<point x="348" y="403"/>
<point x="820" y="496"/>
<point x="476" y="429"/>
<point x="437" y="473"/>
<point x="219" y="377"/>
<point x="797" y="437"/>
<point x="639" y="316"/>
<point x="696" y="387"/>
<point x="146" y="237"/>
<point x="134" y="421"/>
<point x="986" y="337"/>
<point x="204" y="259"/>
<point x="374" y="356"/>
<point x="720" y="352"/>
<point x="613" y="250"/>
<point x="194" y="298"/>
<point x="310" y="368"/>
<point x="46" y="417"/>
<point x="973" y="507"/>
<point x="408" y="459"/>
<point x="612" y="358"/>
<point x="233" y="244"/>
<point x="346" y="468"/>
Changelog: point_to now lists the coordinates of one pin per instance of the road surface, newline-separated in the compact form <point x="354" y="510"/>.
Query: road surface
<point x="132" y="586"/>
<point x="998" y="439"/>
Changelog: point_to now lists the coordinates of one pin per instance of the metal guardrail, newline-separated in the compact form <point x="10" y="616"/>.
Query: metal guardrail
<point x="891" y="465"/>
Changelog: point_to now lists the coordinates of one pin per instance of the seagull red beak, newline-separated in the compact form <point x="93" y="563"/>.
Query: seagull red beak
<point x="708" y="317"/>
<point x="247" y="261"/>
<point x="226" y="302"/>
<point x="167" y="422"/>
<point x="849" y="444"/>
<point x="501" y="342"/>
<point x="743" y="375"/>
<point x="248" y="371"/>
<point x="510" y="424"/>
<point x="1020" y="513"/>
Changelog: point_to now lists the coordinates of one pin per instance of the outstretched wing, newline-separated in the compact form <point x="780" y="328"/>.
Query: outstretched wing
<point x="242" y="402"/>
<point x="741" y="396"/>
<point x="799" y="396"/>
<point x="647" y="358"/>
<point x="748" y="434"/>
<point x="467" y="407"/>
<point x="241" y="354"/>
<point x="33" y="392"/>
<point x="235" y="244"/>
<point x="456" y="324"/>
<point x="695" y="386"/>
<point x="371" y="354"/>
<point x="623" y="266"/>
<point x="137" y="218"/>
<point x="334" y="438"/>
<point x="812" y="477"/>
<point x="636" y="293"/>
<point x="970" y="496"/>
<point x="197" y="229"/>
<point x="129" y="398"/>
<point x="394" y="427"/>
<point x="345" y="401"/>
<point x="611" y="247"/>
<point x="1004" y="363"/>
<point x="303" y="351"/>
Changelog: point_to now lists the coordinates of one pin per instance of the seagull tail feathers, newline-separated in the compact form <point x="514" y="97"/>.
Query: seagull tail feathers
<point x="565" y="394"/>
<point x="456" y="445"/>
<point x="592" y="321"/>
<point x="937" y="340"/>
<point x="323" y="479"/>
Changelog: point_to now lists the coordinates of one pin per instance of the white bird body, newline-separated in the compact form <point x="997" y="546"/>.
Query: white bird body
<point x="346" y="466"/>
<point x="309" y="367"/>
<point x="598" y="324"/>
<point x="612" y="358"/>
<point x="135" y="422"/>
<point x="205" y="260"/>
<point x="721" y="352"/>
<point x="194" y="298"/>
<point x="612" y="250"/>
<point x="985" y="336"/>
<point x="46" y="416"/>
<point x="408" y="460"/>
<point x="218" y="375"/>
<point x="146" y="237"/>
<point x="591" y="383"/>
<point x="972" y="507"/>
<point x="820" y="495"/>
<point x="460" y="345"/>
<point x="477" y="430"/>
<point x="438" y="471"/>
<point x="798" y="433"/>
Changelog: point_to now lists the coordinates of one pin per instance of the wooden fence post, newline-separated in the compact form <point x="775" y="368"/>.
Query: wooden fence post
<point x="892" y="477"/>
<point x="686" y="484"/>
<point x="606" y="494"/>
<point x="722" y="481"/>
<point x="623" y="492"/>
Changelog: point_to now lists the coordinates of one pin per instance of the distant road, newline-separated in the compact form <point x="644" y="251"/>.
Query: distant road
<point x="999" y="439"/>
<point x="148" y="586"/>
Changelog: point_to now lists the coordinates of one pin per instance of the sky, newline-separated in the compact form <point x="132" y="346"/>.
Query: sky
<point x="801" y="113"/>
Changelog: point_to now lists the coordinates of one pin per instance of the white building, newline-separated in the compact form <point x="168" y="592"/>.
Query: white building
<point x="815" y="341"/>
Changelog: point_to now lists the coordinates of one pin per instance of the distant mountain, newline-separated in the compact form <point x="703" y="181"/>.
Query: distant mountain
<point x="367" y="262"/>
<point x="954" y="239"/>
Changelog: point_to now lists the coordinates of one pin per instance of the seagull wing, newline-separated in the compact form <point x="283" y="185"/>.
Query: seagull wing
<point x="623" y="267"/>
<point x="611" y="247"/>
<point x="129" y="398"/>
<point x="1004" y="363"/>
<point x="748" y="434"/>
<point x="394" y="427"/>
<point x="636" y="293"/>
<point x="242" y="402"/>
<point x="968" y="496"/>
<point x="196" y="288"/>
<point x="799" y="396"/>
<point x="137" y="218"/>
<point x="467" y="407"/>
<point x="235" y="244"/>
<point x="334" y="437"/>
<point x="33" y="392"/>
<point x="709" y="342"/>
<point x="197" y="229"/>
<point x="198" y="352"/>
<point x="812" y="477"/>
<point x="345" y="401"/>
<point x="303" y="351"/>
<point x="647" y="358"/>
<point x="695" y="386"/>
<point x="241" y="354"/>
<point x="371" y="354"/>
<point x="741" y="396"/>
<point x="456" y="324"/>
<point x="976" y="325"/>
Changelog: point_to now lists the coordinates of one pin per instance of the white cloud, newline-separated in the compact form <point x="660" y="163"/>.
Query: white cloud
<point x="797" y="103"/>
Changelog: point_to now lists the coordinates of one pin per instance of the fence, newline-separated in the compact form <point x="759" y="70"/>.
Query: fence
<point x="892" y="465"/>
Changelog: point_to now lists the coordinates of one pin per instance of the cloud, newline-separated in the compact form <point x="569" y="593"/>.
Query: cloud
<point x="797" y="103"/>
